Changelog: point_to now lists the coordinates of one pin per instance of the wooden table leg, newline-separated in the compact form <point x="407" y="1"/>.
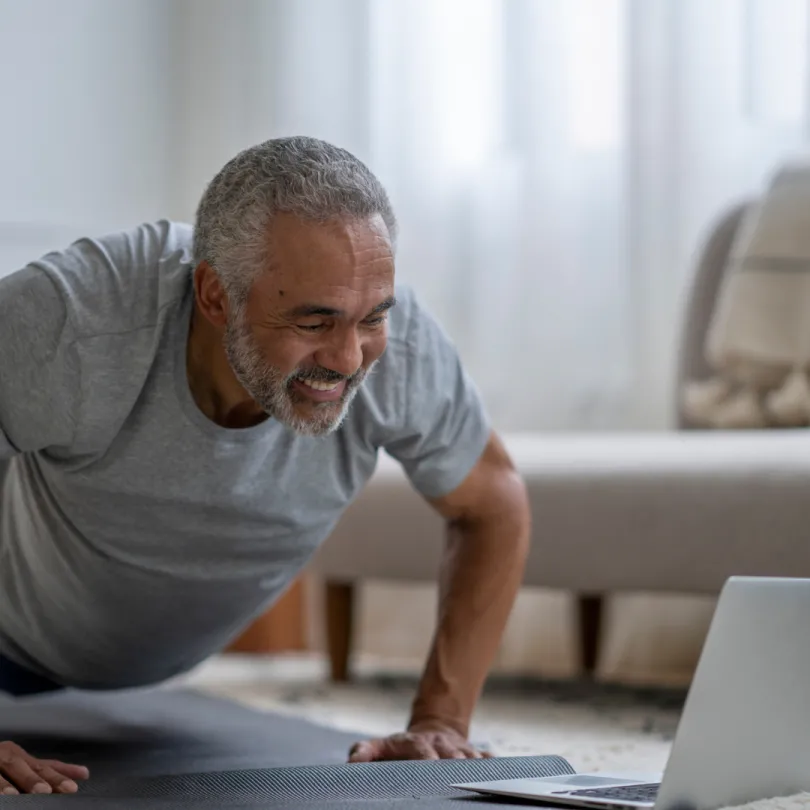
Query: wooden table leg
<point x="340" y="598"/>
<point x="590" y="609"/>
<point x="283" y="628"/>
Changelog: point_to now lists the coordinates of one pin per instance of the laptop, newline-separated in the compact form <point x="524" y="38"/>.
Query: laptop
<point x="744" y="733"/>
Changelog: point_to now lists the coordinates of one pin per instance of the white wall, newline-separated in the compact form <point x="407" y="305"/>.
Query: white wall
<point x="86" y="120"/>
<point x="233" y="66"/>
<point x="217" y="101"/>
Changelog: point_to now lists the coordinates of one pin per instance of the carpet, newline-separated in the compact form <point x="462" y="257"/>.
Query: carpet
<point x="596" y="727"/>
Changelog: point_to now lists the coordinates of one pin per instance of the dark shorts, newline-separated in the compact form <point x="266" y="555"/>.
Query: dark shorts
<point x="20" y="682"/>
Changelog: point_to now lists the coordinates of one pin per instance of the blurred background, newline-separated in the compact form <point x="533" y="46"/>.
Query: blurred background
<point x="554" y="165"/>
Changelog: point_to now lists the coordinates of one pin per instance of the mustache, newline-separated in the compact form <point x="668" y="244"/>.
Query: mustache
<point x="324" y="375"/>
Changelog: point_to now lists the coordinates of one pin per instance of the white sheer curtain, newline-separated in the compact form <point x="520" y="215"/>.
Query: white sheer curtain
<point x="498" y="128"/>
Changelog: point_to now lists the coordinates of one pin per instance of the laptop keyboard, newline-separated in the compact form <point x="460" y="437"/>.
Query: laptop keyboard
<point x="633" y="793"/>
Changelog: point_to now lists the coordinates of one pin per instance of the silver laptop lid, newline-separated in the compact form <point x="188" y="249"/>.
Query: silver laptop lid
<point x="745" y="729"/>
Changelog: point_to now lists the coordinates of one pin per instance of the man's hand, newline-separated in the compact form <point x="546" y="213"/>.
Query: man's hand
<point x="22" y="773"/>
<point x="417" y="743"/>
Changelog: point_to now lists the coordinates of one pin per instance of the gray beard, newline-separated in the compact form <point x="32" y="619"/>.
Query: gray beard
<point x="273" y="391"/>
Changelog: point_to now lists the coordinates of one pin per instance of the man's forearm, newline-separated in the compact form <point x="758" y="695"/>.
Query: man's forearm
<point x="481" y="573"/>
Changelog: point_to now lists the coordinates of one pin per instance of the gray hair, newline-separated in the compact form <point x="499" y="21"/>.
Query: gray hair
<point x="303" y="176"/>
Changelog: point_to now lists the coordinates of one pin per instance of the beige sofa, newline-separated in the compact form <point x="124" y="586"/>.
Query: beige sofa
<point x="676" y="511"/>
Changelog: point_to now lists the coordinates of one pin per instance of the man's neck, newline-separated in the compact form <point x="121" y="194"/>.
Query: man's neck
<point x="212" y="382"/>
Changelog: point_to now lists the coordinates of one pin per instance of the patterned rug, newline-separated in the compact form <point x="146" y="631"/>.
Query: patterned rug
<point x="594" y="726"/>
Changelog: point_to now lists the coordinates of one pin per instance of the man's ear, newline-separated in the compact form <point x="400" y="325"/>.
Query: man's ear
<point x="212" y="301"/>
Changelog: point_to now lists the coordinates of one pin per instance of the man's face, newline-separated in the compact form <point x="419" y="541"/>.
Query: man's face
<point x="315" y="323"/>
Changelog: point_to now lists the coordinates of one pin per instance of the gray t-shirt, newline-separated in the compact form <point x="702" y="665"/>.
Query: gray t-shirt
<point x="137" y="537"/>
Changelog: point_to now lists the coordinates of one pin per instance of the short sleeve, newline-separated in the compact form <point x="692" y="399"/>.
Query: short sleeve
<point x="444" y="426"/>
<point x="39" y="376"/>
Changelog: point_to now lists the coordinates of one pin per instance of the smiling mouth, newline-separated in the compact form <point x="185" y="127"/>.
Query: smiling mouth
<point x="318" y="391"/>
<point x="321" y="386"/>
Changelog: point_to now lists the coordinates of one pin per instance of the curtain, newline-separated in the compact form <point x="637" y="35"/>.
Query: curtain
<point x="498" y="128"/>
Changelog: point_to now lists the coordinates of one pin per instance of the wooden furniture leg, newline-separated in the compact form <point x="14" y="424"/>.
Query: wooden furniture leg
<point x="340" y="598"/>
<point x="590" y="609"/>
<point x="280" y="629"/>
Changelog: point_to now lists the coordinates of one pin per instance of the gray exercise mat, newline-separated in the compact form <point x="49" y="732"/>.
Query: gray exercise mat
<point x="163" y="749"/>
<point x="164" y="731"/>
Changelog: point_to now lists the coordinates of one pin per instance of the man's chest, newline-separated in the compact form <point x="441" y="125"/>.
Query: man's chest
<point x="165" y="497"/>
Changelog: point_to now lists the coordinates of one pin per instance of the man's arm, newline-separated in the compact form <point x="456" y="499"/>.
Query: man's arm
<point x="39" y="372"/>
<point x="488" y="527"/>
<point x="489" y="522"/>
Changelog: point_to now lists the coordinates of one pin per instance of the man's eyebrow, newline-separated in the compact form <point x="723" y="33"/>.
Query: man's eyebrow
<point x="389" y="303"/>
<point x="318" y="310"/>
<point x="308" y="310"/>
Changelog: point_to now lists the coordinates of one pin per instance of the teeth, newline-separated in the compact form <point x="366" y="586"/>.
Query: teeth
<point x="321" y="386"/>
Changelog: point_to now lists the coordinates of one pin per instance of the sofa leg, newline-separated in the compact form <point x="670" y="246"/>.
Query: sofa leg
<point x="589" y="620"/>
<point x="339" y="627"/>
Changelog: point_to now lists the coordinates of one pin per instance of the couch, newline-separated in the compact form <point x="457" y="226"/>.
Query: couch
<point x="673" y="511"/>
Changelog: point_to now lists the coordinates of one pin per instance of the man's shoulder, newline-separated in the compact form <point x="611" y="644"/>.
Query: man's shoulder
<point x="405" y="319"/>
<point x="402" y="345"/>
<point x="421" y="405"/>
<point x="120" y="281"/>
<point x="416" y="350"/>
<point x="414" y="333"/>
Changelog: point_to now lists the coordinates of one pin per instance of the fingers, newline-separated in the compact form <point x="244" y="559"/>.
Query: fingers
<point x="7" y="789"/>
<point x="58" y="782"/>
<point x="67" y="769"/>
<point x="21" y="773"/>
<point x="418" y="748"/>
<point x="365" y="752"/>
<point x="449" y="750"/>
<point x="456" y="750"/>
<point x="415" y="746"/>
<point x="398" y="747"/>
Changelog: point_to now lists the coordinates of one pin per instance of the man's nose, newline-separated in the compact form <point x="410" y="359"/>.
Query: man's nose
<point x="344" y="354"/>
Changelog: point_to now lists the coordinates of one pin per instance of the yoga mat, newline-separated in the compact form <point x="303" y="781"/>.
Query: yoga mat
<point x="163" y="749"/>
<point x="164" y="731"/>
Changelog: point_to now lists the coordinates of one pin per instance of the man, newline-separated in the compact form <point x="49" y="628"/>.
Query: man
<point x="184" y="416"/>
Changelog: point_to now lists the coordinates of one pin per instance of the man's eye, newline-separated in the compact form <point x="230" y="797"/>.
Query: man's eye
<point x="311" y="327"/>
<point x="375" y="321"/>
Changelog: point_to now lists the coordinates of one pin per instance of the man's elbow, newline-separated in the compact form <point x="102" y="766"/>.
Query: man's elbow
<point x="503" y="514"/>
<point x="515" y="511"/>
<point x="492" y="504"/>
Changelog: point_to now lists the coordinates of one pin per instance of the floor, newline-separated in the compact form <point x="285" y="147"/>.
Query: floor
<point x="596" y="727"/>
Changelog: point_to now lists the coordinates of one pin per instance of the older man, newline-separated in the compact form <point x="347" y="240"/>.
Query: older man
<point x="185" y="414"/>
